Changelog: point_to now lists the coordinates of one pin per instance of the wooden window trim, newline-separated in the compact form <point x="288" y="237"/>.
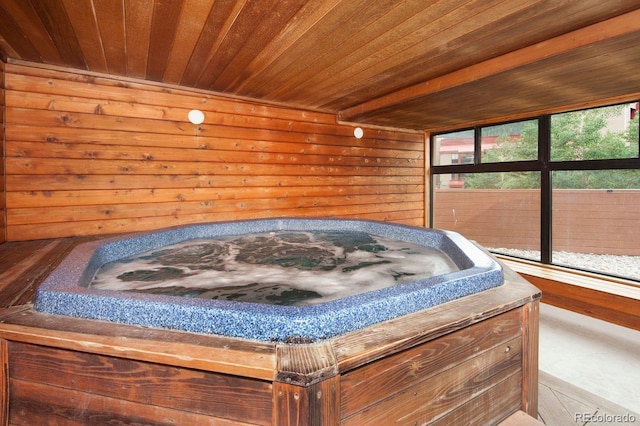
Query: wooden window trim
<point x="614" y="300"/>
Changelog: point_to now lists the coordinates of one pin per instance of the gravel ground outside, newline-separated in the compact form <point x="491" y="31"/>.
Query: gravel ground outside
<point x="621" y="266"/>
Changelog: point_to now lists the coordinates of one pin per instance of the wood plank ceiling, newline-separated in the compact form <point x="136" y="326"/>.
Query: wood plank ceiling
<point x="409" y="64"/>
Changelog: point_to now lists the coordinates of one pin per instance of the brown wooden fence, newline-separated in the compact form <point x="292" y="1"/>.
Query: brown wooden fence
<point x="584" y="221"/>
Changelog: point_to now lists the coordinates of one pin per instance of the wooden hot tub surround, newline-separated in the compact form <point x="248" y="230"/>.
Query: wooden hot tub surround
<point x="472" y="360"/>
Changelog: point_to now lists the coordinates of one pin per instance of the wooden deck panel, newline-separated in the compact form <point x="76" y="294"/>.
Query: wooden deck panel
<point x="560" y="402"/>
<point x="23" y="265"/>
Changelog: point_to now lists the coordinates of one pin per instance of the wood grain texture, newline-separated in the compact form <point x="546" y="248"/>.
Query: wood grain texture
<point x="502" y="398"/>
<point x="413" y="65"/>
<point x="20" y="18"/>
<point x="139" y="382"/>
<point x="209" y="353"/>
<point x="565" y="44"/>
<point x="530" y="346"/>
<point x="35" y="403"/>
<point x="520" y="418"/>
<point x="95" y="56"/>
<point x="19" y="279"/>
<point x="303" y="365"/>
<point x="560" y="401"/>
<point x="617" y="309"/>
<point x="3" y="198"/>
<point x="23" y="266"/>
<point x="120" y="156"/>
<point x="369" y="344"/>
<point x="466" y="358"/>
<point x="4" y="382"/>
<point x="427" y="400"/>
<point x="312" y="405"/>
<point x="397" y="372"/>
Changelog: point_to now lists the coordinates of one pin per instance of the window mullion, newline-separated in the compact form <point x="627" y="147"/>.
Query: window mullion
<point x="477" y="146"/>
<point x="544" y="157"/>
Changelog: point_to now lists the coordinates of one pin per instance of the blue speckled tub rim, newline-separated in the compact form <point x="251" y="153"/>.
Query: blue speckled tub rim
<point x="61" y="294"/>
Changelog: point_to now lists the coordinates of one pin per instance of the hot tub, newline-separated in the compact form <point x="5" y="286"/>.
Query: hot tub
<point x="449" y="267"/>
<point x="414" y="352"/>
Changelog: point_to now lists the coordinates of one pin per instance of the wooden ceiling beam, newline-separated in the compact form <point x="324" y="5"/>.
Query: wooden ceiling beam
<point x="614" y="27"/>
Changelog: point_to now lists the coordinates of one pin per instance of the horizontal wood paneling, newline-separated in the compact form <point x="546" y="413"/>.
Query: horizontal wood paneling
<point x="429" y="399"/>
<point x="3" y="228"/>
<point x="613" y="308"/>
<point x="159" y="387"/>
<point x="40" y="404"/>
<point x="396" y="373"/>
<point x="421" y="65"/>
<point x="89" y="154"/>
<point x="502" y="398"/>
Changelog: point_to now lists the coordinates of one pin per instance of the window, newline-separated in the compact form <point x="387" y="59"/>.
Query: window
<point x="509" y="142"/>
<point x="595" y="221"/>
<point x="560" y="189"/>
<point x="595" y="134"/>
<point x="503" y="218"/>
<point x="454" y="148"/>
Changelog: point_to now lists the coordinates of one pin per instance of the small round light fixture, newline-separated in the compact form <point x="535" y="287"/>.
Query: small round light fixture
<point x="196" y="116"/>
<point x="358" y="132"/>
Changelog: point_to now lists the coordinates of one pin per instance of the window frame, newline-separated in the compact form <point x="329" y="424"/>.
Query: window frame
<point x="543" y="164"/>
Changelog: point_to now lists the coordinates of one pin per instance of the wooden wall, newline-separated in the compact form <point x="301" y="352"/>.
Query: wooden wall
<point x="90" y="154"/>
<point x="2" y="189"/>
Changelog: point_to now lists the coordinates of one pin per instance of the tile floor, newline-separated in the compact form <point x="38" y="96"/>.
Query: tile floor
<point x="594" y="355"/>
